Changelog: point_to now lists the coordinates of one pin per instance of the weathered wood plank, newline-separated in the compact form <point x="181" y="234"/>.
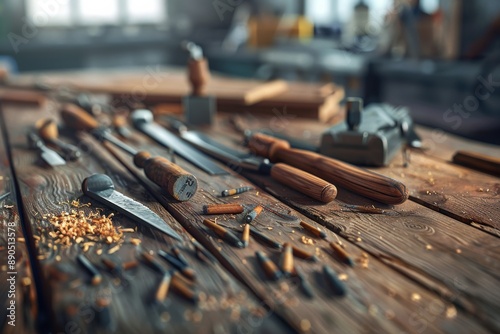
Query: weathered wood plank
<point x="432" y="249"/>
<point x="17" y="286"/>
<point x="169" y="85"/>
<point x="379" y="299"/>
<point x="442" y="145"/>
<point x="458" y="192"/>
<point x="73" y="302"/>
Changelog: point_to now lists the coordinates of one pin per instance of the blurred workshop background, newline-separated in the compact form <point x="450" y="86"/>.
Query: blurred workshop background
<point x="439" y="57"/>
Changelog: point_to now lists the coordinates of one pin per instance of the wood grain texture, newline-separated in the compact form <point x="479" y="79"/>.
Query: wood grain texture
<point x="438" y="252"/>
<point x="309" y="184"/>
<point x="22" y="292"/>
<point x="74" y="304"/>
<point x="461" y="193"/>
<point x="378" y="298"/>
<point x="416" y="270"/>
<point x="442" y="145"/>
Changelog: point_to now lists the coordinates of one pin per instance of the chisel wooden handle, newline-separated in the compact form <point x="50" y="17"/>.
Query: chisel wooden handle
<point x="199" y="75"/>
<point x="48" y="131"/>
<point x="358" y="180"/>
<point x="304" y="182"/>
<point x="477" y="161"/>
<point x="169" y="176"/>
<point x="180" y="184"/>
<point x="77" y="118"/>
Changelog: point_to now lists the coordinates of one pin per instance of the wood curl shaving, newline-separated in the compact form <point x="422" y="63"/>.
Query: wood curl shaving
<point x="77" y="226"/>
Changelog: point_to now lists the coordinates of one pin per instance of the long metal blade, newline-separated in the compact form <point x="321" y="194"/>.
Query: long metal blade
<point x="205" y="142"/>
<point x="100" y="187"/>
<point x="232" y="157"/>
<point x="143" y="121"/>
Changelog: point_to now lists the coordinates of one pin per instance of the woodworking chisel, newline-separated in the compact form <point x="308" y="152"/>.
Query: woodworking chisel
<point x="47" y="129"/>
<point x="358" y="180"/>
<point x="143" y="121"/>
<point x="49" y="156"/>
<point x="101" y="188"/>
<point x="180" y="184"/>
<point x="297" y="179"/>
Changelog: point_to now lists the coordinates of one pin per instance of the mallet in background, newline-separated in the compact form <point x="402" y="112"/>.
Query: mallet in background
<point x="199" y="108"/>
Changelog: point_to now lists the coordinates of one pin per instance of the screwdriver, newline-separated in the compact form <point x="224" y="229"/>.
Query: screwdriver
<point x="176" y="181"/>
<point x="47" y="130"/>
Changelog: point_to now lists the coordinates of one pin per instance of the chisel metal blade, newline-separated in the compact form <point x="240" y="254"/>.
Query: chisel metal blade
<point x="143" y="121"/>
<point x="52" y="158"/>
<point x="230" y="156"/>
<point x="101" y="188"/>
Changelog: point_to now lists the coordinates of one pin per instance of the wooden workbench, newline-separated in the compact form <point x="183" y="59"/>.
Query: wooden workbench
<point x="429" y="265"/>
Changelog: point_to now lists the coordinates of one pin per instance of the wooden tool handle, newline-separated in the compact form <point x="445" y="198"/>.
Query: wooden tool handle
<point x="119" y="120"/>
<point x="176" y="181"/>
<point x="304" y="182"/>
<point x="47" y="129"/>
<point x="477" y="161"/>
<point x="180" y="184"/>
<point x="77" y="118"/>
<point x="358" y="180"/>
<point x="199" y="75"/>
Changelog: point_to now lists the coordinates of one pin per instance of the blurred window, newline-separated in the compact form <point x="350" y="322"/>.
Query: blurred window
<point x="146" y="11"/>
<point x="90" y="12"/>
<point x="327" y="12"/>
<point x="49" y="13"/>
<point x="429" y="6"/>
<point x="95" y="12"/>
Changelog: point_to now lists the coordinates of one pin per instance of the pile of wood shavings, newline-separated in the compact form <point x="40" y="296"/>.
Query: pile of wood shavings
<point x="76" y="226"/>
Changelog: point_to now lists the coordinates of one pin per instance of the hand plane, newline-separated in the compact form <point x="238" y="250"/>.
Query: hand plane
<point x="368" y="137"/>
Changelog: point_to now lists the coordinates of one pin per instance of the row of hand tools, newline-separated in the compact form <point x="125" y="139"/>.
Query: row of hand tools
<point x="308" y="172"/>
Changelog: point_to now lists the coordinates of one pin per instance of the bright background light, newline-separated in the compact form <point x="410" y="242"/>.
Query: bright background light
<point x="96" y="12"/>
